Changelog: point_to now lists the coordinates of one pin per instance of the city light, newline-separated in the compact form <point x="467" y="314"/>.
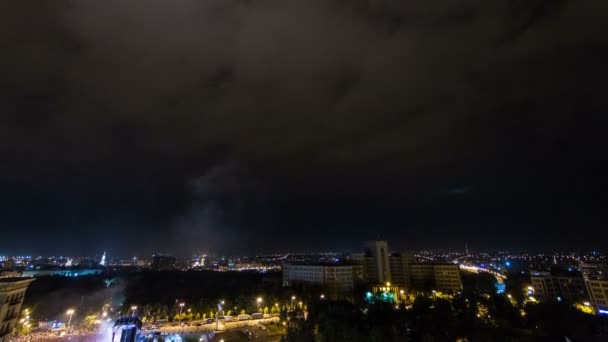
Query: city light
<point x="181" y="307"/>
<point x="70" y="312"/>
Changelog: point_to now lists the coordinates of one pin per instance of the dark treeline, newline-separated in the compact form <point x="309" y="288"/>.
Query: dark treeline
<point x="444" y="320"/>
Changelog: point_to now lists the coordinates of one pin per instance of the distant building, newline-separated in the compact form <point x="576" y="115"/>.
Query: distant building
<point x="378" y="267"/>
<point x="542" y="283"/>
<point x="163" y="263"/>
<point x="335" y="279"/>
<point x="440" y="277"/>
<point x="401" y="268"/>
<point x="377" y="262"/>
<point x="569" y="285"/>
<point x="102" y="262"/>
<point x="12" y="292"/>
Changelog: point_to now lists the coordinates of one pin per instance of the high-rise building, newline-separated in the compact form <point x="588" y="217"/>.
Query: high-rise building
<point x="377" y="262"/>
<point x="401" y="268"/>
<point x="163" y="262"/>
<point x="102" y="262"/>
<point x="12" y="292"/>
<point x="336" y="279"/>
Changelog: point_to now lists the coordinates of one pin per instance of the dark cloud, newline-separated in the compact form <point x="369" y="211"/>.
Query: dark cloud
<point x="328" y="106"/>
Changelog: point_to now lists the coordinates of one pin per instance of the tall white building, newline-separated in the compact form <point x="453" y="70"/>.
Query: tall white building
<point x="378" y="262"/>
<point x="103" y="259"/>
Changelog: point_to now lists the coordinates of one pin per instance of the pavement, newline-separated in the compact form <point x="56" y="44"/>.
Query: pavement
<point x="228" y="331"/>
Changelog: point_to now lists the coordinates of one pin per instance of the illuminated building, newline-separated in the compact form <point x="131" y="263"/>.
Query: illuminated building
<point x="335" y="279"/>
<point x="388" y="292"/>
<point x="566" y="284"/>
<point x="163" y="262"/>
<point x="440" y="277"/>
<point x="598" y="294"/>
<point x="542" y="282"/>
<point x="12" y="292"/>
<point x="103" y="259"/>
<point x="377" y="261"/>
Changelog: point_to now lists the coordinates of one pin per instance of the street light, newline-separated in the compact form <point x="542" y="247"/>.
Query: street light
<point x="133" y="308"/>
<point x="181" y="307"/>
<point x="292" y="299"/>
<point x="259" y="300"/>
<point x="322" y="296"/>
<point x="71" y="313"/>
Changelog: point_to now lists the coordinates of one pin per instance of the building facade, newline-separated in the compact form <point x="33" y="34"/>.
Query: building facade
<point x="377" y="261"/>
<point x="439" y="277"/>
<point x="598" y="294"/>
<point x="566" y="285"/>
<point x="401" y="268"/>
<point x="12" y="292"/>
<point x="336" y="279"/>
<point x="542" y="282"/>
<point x="447" y="278"/>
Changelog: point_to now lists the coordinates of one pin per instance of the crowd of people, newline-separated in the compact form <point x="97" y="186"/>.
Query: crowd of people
<point x="75" y="335"/>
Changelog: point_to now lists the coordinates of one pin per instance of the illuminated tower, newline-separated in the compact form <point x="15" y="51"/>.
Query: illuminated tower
<point x="103" y="259"/>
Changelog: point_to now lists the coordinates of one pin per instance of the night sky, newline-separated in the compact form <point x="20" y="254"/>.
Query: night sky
<point x="241" y="126"/>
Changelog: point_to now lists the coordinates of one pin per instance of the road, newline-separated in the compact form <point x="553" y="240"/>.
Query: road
<point x="228" y="331"/>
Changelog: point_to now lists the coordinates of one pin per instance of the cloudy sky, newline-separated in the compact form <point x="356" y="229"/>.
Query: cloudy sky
<point x="271" y="125"/>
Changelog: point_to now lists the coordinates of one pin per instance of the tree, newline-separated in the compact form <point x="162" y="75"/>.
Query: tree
<point x="198" y="316"/>
<point x="243" y="312"/>
<point x="265" y="310"/>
